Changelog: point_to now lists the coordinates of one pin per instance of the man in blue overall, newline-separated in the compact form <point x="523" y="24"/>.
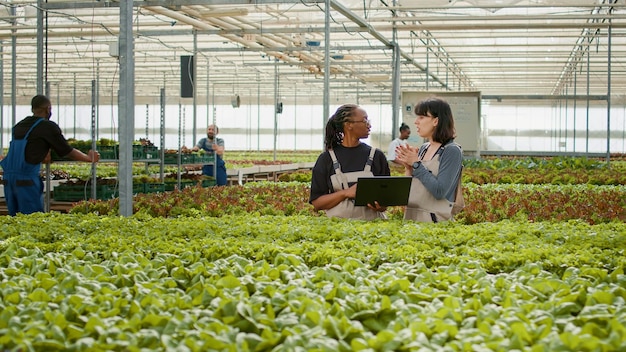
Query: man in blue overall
<point x="213" y="144"/>
<point x="32" y="139"/>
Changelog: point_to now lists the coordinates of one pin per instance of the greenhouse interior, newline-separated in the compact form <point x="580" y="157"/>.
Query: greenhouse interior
<point x="199" y="207"/>
<point x="549" y="74"/>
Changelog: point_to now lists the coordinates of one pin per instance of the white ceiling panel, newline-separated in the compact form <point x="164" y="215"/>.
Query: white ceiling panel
<point x="501" y="48"/>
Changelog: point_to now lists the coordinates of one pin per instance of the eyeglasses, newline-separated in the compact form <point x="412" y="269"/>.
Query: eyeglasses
<point x="366" y="121"/>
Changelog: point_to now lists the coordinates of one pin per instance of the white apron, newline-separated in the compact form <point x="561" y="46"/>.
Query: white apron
<point x="424" y="207"/>
<point x="340" y="180"/>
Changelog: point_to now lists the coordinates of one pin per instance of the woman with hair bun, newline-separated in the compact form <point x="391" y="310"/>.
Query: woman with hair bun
<point x="405" y="132"/>
<point x="345" y="159"/>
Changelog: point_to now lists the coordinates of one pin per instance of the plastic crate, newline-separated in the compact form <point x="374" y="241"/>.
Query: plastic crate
<point x="204" y="159"/>
<point x="142" y="152"/>
<point x="170" y="158"/>
<point x="153" y="187"/>
<point x="138" y="188"/>
<point x="75" y="193"/>
<point x="109" y="152"/>
<point x="150" y="152"/>
<point x="170" y="186"/>
<point x="173" y="158"/>
<point x="209" y="183"/>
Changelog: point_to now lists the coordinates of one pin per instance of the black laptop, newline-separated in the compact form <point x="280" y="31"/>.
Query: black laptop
<point x="387" y="190"/>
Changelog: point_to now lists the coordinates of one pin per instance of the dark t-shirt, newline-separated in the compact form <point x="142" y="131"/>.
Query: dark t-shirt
<point x="44" y="136"/>
<point x="351" y="159"/>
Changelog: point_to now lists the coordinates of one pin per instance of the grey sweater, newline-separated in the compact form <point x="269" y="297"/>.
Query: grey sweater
<point x="450" y="165"/>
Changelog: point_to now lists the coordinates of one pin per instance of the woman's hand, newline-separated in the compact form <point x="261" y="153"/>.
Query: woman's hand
<point x="376" y="207"/>
<point x="350" y="193"/>
<point x="407" y="155"/>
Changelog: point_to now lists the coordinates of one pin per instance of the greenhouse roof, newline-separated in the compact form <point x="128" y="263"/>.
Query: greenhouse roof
<point x="506" y="49"/>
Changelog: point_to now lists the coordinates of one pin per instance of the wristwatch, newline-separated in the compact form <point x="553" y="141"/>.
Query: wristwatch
<point x="416" y="165"/>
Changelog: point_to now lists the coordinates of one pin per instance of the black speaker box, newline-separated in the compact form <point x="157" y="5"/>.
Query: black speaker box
<point x="187" y="77"/>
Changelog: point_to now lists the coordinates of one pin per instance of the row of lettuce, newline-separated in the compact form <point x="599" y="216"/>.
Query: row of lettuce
<point x="529" y="267"/>
<point x="484" y="203"/>
<point x="258" y="283"/>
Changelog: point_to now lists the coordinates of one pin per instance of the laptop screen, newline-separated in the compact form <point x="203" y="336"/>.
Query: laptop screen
<point x="387" y="190"/>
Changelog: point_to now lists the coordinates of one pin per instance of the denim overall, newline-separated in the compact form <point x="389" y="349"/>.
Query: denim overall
<point x="220" y="165"/>
<point x="23" y="189"/>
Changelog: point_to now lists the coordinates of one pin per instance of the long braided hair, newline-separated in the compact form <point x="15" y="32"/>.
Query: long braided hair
<point x="334" y="126"/>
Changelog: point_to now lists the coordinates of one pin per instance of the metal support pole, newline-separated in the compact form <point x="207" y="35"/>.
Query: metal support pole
<point x="395" y="93"/>
<point x="258" y="112"/>
<point x="295" y="113"/>
<point x="14" y="64"/>
<point x="208" y="76"/>
<point x="395" y="89"/>
<point x="427" y="64"/>
<point x="587" y="128"/>
<point x="40" y="49"/>
<point x="162" y="134"/>
<point x="74" y="104"/>
<point x="126" y="107"/>
<point x="184" y="126"/>
<point x="326" y="64"/>
<point x="94" y="176"/>
<point x="276" y="104"/>
<point x="178" y="159"/>
<point x="59" y="115"/>
<point x="195" y="88"/>
<point x="574" y="117"/>
<point x="98" y="99"/>
<point x="46" y="203"/>
<point x="560" y="124"/>
<point x="566" y="115"/>
<point x="147" y="121"/>
<point x="1" y="97"/>
<point x="608" y="94"/>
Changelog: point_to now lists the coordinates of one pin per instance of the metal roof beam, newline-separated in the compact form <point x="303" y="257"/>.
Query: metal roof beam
<point x="543" y="97"/>
<point x="371" y="30"/>
<point x="163" y="3"/>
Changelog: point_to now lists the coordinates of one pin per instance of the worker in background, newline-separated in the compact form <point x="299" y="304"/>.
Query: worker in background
<point x="32" y="139"/>
<point x="213" y="144"/>
<point x="405" y="132"/>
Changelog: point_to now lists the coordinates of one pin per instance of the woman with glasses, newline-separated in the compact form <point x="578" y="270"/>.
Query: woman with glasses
<point x="345" y="159"/>
<point x="435" y="166"/>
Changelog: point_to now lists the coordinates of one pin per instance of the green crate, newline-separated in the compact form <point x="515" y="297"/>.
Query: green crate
<point x="173" y="158"/>
<point x="138" y="188"/>
<point x="170" y="158"/>
<point x="204" y="159"/>
<point x="153" y="187"/>
<point x="186" y="158"/>
<point x="138" y="152"/>
<point x="209" y="183"/>
<point x="108" y="152"/>
<point x="75" y="193"/>
<point x="170" y="186"/>
<point x="143" y="152"/>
